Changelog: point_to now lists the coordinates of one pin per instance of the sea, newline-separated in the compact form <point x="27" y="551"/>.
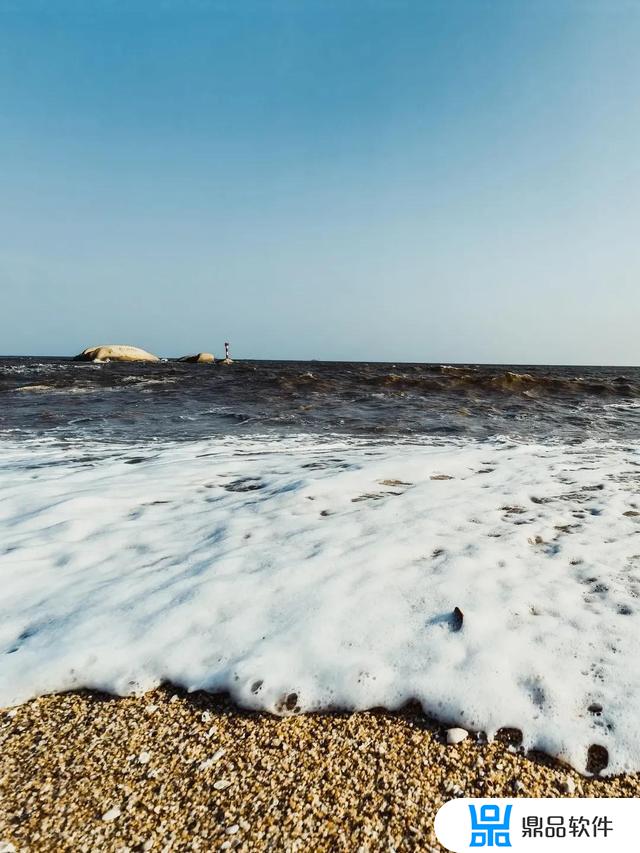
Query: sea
<point x="307" y="536"/>
<point x="174" y="401"/>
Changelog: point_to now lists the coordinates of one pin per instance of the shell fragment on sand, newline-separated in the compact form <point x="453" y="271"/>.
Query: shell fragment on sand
<point x="456" y="735"/>
<point x="116" y="352"/>
<point x="112" y="814"/>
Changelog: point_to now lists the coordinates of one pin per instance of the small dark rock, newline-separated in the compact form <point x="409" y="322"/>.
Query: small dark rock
<point x="291" y="701"/>
<point x="597" y="758"/>
<point x="457" y="618"/>
<point x="510" y="736"/>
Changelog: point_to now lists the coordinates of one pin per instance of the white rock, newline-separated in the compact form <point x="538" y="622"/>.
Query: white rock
<point x="116" y="352"/>
<point x="7" y="847"/>
<point x="231" y="830"/>
<point x="206" y="716"/>
<point x="456" y="735"/>
<point x="150" y="709"/>
<point x="112" y="814"/>
<point x="221" y="784"/>
<point x="568" y="785"/>
<point x="144" y="757"/>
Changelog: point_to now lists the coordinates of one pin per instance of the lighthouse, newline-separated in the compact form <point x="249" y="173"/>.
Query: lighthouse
<point x="227" y="358"/>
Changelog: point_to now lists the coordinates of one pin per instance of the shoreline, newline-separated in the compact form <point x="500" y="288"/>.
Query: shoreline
<point x="335" y="574"/>
<point x="172" y="770"/>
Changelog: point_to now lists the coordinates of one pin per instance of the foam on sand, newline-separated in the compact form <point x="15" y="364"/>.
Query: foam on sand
<point x="299" y="575"/>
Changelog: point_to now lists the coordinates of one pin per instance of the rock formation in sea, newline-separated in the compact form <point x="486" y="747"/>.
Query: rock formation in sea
<point x="199" y="358"/>
<point x="116" y="352"/>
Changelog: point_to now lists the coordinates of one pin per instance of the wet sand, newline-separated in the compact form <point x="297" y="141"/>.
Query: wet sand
<point x="176" y="771"/>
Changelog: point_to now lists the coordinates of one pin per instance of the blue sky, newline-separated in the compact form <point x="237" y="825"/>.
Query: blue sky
<point x="349" y="179"/>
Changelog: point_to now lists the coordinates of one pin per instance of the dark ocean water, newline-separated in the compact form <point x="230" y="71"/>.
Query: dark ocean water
<point x="56" y="397"/>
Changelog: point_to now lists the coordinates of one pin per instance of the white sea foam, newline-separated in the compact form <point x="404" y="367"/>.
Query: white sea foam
<point x="274" y="568"/>
<point x="53" y="389"/>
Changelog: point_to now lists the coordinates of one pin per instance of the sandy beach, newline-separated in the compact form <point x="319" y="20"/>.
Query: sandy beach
<point x="319" y="426"/>
<point x="177" y="771"/>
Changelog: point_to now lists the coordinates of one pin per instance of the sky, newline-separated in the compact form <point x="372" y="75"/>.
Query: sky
<point x="417" y="180"/>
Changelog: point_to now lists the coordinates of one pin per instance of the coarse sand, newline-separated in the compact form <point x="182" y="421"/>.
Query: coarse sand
<point x="176" y="771"/>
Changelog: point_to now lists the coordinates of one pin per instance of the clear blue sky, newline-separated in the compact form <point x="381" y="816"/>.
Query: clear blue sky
<point x="438" y="180"/>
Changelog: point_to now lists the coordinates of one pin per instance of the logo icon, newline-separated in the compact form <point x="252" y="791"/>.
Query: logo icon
<point x="490" y="829"/>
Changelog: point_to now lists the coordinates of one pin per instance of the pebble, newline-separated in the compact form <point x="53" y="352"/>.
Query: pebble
<point x="456" y="735"/>
<point x="7" y="847"/>
<point x="457" y="619"/>
<point x="231" y="830"/>
<point x="206" y="717"/>
<point x="112" y="814"/>
<point x="221" y="784"/>
<point x="150" y="709"/>
<point x="568" y="785"/>
<point x="144" y="757"/>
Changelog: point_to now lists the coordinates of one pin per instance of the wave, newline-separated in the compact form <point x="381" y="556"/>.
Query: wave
<point x="277" y="568"/>
<point x="167" y="400"/>
<point x="456" y="380"/>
